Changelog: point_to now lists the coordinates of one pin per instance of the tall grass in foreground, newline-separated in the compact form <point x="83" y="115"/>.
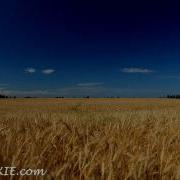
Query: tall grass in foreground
<point x="75" y="144"/>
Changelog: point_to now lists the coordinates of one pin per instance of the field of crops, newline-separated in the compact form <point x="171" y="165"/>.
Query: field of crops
<point x="92" y="138"/>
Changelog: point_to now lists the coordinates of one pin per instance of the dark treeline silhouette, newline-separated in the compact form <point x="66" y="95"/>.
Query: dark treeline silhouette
<point x="28" y="97"/>
<point x="176" y="96"/>
<point x="87" y="97"/>
<point x="169" y="96"/>
<point x="5" y="97"/>
<point x="60" y="97"/>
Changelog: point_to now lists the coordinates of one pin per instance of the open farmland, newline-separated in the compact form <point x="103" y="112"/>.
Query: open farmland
<point x="92" y="138"/>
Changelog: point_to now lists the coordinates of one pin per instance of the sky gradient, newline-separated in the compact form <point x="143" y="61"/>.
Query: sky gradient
<point x="95" y="48"/>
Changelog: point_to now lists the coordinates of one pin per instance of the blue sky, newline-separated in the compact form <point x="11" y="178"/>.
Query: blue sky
<point x="68" y="48"/>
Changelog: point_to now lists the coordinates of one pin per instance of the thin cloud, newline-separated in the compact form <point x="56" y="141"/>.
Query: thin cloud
<point x="3" y="85"/>
<point x="48" y="71"/>
<point x="137" y="70"/>
<point x="30" y="70"/>
<point x="21" y="93"/>
<point x="76" y="91"/>
<point x="170" y="76"/>
<point x="89" y="84"/>
<point x="107" y="91"/>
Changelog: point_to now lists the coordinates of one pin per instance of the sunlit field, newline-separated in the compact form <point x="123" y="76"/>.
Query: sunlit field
<point x="92" y="138"/>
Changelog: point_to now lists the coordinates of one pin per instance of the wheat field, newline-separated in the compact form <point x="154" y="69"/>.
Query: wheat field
<point x="92" y="138"/>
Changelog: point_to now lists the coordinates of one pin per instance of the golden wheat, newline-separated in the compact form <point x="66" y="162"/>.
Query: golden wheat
<point x="92" y="138"/>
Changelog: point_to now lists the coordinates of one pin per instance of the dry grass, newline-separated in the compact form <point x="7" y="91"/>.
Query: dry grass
<point x="93" y="138"/>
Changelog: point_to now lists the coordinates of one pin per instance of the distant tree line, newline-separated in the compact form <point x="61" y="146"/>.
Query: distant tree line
<point x="176" y="96"/>
<point x="60" y="97"/>
<point x="6" y="97"/>
<point x="172" y="96"/>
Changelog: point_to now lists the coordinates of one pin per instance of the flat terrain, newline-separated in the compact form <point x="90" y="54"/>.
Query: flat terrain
<point x="92" y="138"/>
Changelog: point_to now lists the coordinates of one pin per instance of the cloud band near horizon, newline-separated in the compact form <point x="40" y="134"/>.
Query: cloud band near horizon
<point x="133" y="70"/>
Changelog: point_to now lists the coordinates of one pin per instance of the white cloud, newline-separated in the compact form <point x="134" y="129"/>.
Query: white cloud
<point x="89" y="84"/>
<point x="48" y="71"/>
<point x="169" y="77"/>
<point x="30" y="70"/>
<point x="80" y="91"/>
<point x="137" y="70"/>
<point x="3" y="85"/>
<point x="85" y="91"/>
<point x="22" y="93"/>
<point x="100" y="91"/>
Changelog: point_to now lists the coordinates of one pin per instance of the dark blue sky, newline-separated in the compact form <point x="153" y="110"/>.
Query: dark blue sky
<point x="96" y="48"/>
